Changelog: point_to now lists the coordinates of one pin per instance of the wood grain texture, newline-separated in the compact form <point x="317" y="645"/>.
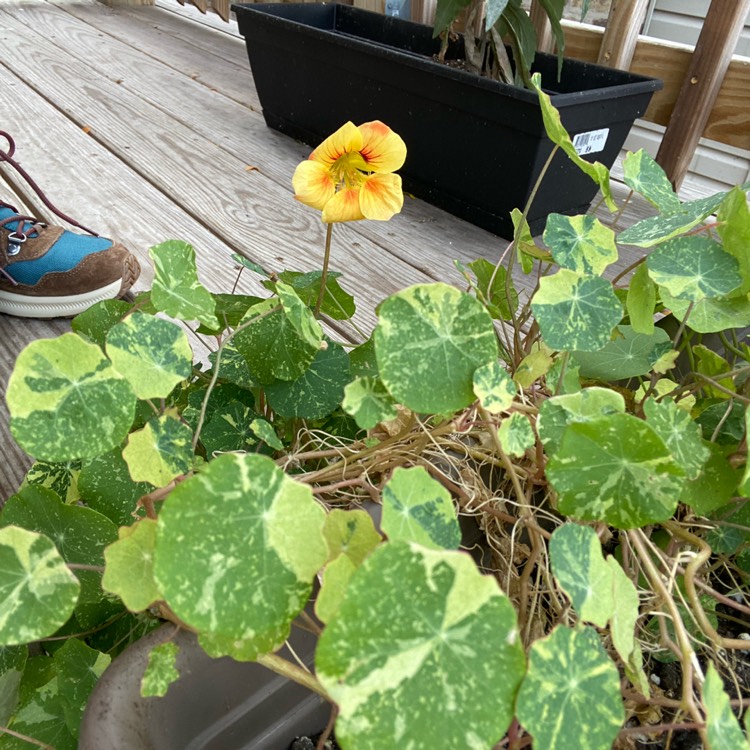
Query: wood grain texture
<point x="621" y="34"/>
<point x="729" y="119"/>
<point x="701" y="85"/>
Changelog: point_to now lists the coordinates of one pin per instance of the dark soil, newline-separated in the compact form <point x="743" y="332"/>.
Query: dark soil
<point x="311" y="743"/>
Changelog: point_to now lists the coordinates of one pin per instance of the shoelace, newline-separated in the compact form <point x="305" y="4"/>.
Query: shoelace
<point x="26" y="226"/>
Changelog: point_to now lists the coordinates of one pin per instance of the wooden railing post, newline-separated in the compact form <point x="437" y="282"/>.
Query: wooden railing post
<point x="713" y="53"/>
<point x="544" y="41"/>
<point x="621" y="34"/>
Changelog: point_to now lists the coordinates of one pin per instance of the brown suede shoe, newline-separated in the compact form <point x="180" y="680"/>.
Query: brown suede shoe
<point x="50" y="272"/>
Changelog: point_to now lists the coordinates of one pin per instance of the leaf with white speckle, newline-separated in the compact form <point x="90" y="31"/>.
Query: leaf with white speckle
<point x="159" y="452"/>
<point x="615" y="469"/>
<point x="570" y="698"/>
<point x="421" y="628"/>
<point x="176" y="290"/>
<point x="130" y="566"/>
<point x="152" y="354"/>
<point x="516" y="434"/>
<point x="37" y="589"/>
<point x="161" y="670"/>
<point x="576" y="311"/>
<point x="579" y="567"/>
<point x="66" y="400"/>
<point x="429" y="340"/>
<point x="238" y="546"/>
<point x="580" y="243"/>
<point x="417" y="508"/>
<point x="368" y="401"/>
<point x="494" y="387"/>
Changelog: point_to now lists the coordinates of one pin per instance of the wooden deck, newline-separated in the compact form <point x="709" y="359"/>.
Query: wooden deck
<point x="144" y="124"/>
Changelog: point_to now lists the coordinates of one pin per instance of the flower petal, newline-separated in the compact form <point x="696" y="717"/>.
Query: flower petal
<point x="380" y="197"/>
<point x="344" y="206"/>
<point x="382" y="149"/>
<point x="313" y="184"/>
<point x="346" y="139"/>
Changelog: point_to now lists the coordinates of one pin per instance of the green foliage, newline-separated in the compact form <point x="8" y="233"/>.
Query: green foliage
<point x="287" y="458"/>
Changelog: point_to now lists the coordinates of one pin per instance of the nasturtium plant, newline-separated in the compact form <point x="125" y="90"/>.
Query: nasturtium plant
<point x="576" y="311"/>
<point x="176" y="289"/>
<point x="38" y="590"/>
<point x="421" y="628"/>
<point x="433" y="333"/>
<point x="417" y="508"/>
<point x="570" y="698"/>
<point x="588" y="427"/>
<point x="615" y="469"/>
<point x="161" y="670"/>
<point x="153" y="355"/>
<point x="237" y="547"/>
<point x="67" y="400"/>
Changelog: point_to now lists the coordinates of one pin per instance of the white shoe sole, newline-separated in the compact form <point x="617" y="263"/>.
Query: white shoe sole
<point x="24" y="306"/>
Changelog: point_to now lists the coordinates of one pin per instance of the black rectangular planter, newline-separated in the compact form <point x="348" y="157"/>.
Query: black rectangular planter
<point x="475" y="147"/>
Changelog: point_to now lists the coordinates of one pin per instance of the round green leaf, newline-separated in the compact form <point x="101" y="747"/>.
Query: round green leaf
<point x="579" y="567"/>
<point x="80" y="534"/>
<point x="576" y="311"/>
<point x="37" y="589"/>
<point x="516" y="434"/>
<point x="152" y="354"/>
<point x="627" y="355"/>
<point x="417" y="508"/>
<point x="66" y="400"/>
<point x="318" y="391"/>
<point x="580" y="243"/>
<point x="570" y="699"/>
<point x="237" y="548"/>
<point x="494" y="388"/>
<point x="422" y="629"/>
<point x="368" y="401"/>
<point x="106" y="486"/>
<point x="429" y="340"/>
<point x="615" y="469"/>
<point x="161" y="670"/>
<point x="159" y="452"/>
<point x="693" y="268"/>
<point x="130" y="566"/>
<point x="709" y="315"/>
<point x="557" y="412"/>
<point x="272" y="346"/>
<point x="176" y="289"/>
<point x="229" y="429"/>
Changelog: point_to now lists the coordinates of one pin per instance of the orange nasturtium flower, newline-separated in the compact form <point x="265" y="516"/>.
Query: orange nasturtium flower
<point x="350" y="175"/>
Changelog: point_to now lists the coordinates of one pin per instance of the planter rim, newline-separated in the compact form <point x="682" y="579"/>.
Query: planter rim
<point x="269" y="13"/>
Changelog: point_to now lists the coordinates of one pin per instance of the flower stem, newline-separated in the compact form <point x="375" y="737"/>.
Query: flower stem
<point x="324" y="276"/>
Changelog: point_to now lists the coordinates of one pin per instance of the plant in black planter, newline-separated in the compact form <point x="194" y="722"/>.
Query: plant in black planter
<point x="599" y="444"/>
<point x="488" y="25"/>
<point x="384" y="68"/>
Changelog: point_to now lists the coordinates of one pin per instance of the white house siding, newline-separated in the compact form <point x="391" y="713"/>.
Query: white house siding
<point x="714" y="165"/>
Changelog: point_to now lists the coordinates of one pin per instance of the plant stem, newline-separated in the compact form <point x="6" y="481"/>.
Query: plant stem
<point x="687" y="655"/>
<point x="329" y="728"/>
<point x="26" y="738"/>
<point x="285" y="668"/>
<point x="324" y="276"/>
<point x="699" y="558"/>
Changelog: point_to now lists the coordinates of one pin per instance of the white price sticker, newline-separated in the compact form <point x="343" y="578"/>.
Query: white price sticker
<point x="591" y="142"/>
